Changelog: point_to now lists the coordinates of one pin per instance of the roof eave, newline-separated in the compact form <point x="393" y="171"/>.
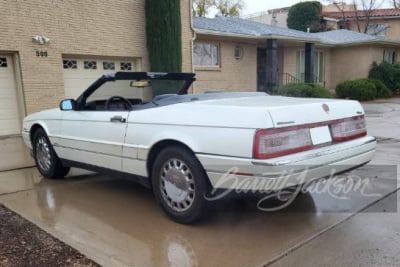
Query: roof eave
<point x="258" y="37"/>
<point x="381" y="42"/>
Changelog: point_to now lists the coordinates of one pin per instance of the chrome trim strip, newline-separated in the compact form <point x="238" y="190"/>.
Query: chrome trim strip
<point x="85" y="150"/>
<point x="95" y="152"/>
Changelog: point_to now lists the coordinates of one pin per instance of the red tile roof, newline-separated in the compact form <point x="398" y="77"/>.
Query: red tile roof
<point x="377" y="13"/>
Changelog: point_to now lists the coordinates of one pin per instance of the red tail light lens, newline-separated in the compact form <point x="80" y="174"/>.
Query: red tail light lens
<point x="279" y="142"/>
<point x="348" y="129"/>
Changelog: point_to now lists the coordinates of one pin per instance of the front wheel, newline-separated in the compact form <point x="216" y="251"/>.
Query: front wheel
<point x="47" y="162"/>
<point x="179" y="184"/>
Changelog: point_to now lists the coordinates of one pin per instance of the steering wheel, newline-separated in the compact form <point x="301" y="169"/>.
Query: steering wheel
<point x="127" y="104"/>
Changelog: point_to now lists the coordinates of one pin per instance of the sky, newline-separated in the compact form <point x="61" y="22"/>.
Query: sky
<point x="254" y="6"/>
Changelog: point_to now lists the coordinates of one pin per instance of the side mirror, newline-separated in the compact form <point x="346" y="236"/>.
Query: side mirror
<point x="68" y="104"/>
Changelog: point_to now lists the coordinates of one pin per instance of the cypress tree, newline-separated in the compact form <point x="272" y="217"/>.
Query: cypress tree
<point x="163" y="30"/>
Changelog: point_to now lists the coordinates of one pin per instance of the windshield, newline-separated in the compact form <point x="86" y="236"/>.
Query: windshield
<point x="126" y="94"/>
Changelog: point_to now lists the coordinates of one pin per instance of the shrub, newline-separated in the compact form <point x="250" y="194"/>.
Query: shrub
<point x="389" y="74"/>
<point x="304" y="90"/>
<point x="361" y="89"/>
<point x="305" y="15"/>
<point x="381" y="90"/>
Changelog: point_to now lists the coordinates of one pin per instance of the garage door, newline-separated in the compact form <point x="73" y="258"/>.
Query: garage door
<point x="10" y="120"/>
<point x="80" y="73"/>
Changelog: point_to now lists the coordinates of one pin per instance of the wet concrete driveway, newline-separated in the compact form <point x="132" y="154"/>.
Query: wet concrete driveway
<point x="118" y="223"/>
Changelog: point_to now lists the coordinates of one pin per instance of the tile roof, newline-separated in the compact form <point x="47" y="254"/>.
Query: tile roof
<point x="377" y="13"/>
<point x="229" y="25"/>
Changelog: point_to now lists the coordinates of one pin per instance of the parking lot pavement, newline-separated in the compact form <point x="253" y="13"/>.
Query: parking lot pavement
<point x="118" y="223"/>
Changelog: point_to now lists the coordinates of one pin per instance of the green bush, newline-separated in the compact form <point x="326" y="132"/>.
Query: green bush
<point x="361" y="89"/>
<point x="389" y="74"/>
<point x="304" y="90"/>
<point x="381" y="90"/>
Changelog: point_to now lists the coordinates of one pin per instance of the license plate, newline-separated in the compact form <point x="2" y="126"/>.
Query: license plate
<point x="320" y="135"/>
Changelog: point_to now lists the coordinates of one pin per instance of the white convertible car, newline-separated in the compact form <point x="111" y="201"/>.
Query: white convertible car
<point x="183" y="146"/>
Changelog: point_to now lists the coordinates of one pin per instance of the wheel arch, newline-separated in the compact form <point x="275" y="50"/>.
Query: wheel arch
<point x="35" y="126"/>
<point x="158" y="147"/>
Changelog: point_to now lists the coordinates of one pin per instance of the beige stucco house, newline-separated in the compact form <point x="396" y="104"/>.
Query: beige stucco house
<point x="239" y="55"/>
<point x="50" y="50"/>
<point x="380" y="22"/>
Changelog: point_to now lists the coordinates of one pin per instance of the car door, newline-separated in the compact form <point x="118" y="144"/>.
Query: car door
<point x="94" y="137"/>
<point x="94" y="133"/>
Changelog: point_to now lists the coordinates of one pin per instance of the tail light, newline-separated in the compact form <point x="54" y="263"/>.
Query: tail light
<point x="348" y="129"/>
<point x="273" y="143"/>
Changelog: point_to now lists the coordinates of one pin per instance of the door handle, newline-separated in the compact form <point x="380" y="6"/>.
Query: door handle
<point x="118" y="119"/>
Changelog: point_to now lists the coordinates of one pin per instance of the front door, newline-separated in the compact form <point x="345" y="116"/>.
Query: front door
<point x="261" y="69"/>
<point x="93" y="137"/>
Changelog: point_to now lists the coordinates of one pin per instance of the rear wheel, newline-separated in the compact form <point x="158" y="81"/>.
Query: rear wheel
<point x="179" y="184"/>
<point x="47" y="162"/>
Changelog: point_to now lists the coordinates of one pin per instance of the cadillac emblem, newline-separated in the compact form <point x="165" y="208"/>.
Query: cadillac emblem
<point x="325" y="107"/>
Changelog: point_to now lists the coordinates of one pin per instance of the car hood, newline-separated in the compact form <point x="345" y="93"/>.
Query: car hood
<point x="49" y="114"/>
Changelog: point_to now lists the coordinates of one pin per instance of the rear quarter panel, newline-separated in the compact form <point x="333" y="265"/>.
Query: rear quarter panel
<point x="218" y="130"/>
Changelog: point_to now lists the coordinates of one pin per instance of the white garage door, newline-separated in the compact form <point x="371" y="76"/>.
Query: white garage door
<point x="10" y="120"/>
<point x="80" y="73"/>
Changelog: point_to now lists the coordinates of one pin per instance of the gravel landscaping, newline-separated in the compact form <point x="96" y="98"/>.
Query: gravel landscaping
<point x="24" y="244"/>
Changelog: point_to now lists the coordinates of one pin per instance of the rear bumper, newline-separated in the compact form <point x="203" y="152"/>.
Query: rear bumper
<point x="287" y="171"/>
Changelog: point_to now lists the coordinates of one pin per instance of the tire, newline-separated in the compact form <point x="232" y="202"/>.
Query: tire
<point x="46" y="159"/>
<point x="179" y="185"/>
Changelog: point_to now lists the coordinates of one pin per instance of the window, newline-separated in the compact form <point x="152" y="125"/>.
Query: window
<point x="205" y="54"/>
<point x="124" y="94"/>
<point x="318" y="66"/>
<point x="126" y="66"/>
<point x="238" y="52"/>
<point x="108" y="65"/>
<point x="3" y="62"/>
<point x="70" y="64"/>
<point x="377" y="30"/>
<point x="390" y="56"/>
<point x="90" y="65"/>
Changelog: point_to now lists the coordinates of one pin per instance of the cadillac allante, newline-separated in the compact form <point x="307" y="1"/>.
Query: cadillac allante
<point x="146" y="126"/>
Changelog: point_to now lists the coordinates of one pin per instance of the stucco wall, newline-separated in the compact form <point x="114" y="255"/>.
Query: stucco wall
<point x="349" y="63"/>
<point x="233" y="74"/>
<point x="393" y="30"/>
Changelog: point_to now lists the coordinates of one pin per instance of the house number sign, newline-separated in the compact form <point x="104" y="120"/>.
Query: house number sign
<point x="41" y="53"/>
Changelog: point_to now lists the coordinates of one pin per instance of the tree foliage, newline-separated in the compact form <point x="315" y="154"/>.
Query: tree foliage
<point x="228" y="8"/>
<point x="202" y="7"/>
<point x="305" y="15"/>
<point x="163" y="32"/>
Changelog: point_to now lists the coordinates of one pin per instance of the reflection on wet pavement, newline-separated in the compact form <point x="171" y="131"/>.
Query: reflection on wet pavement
<point x="118" y="223"/>
<point x="18" y="180"/>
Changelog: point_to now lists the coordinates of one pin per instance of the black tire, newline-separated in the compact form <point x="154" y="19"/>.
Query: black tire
<point x="46" y="159"/>
<point x="185" y="171"/>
